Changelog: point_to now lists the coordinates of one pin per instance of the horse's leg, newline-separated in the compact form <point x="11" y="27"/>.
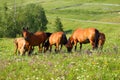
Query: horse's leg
<point x="75" y="44"/>
<point x="93" y="44"/>
<point x="40" y="49"/>
<point x="24" y="53"/>
<point x="80" y="46"/>
<point x="101" y="47"/>
<point x="16" y="50"/>
<point x="50" y="48"/>
<point x="21" y="52"/>
<point x="61" y="47"/>
<point x="29" y="50"/>
<point x="57" y="47"/>
<point x="75" y="47"/>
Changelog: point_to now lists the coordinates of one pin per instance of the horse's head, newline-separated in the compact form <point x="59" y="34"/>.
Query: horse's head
<point x="26" y="34"/>
<point x="69" y="44"/>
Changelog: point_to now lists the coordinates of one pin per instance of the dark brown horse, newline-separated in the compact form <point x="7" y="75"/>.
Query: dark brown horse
<point x="102" y="39"/>
<point x="47" y="44"/>
<point x="57" y="38"/>
<point x="83" y="36"/>
<point x="34" y="39"/>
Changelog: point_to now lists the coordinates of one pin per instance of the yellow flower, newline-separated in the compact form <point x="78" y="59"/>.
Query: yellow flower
<point x="93" y="62"/>
<point x="106" y="63"/>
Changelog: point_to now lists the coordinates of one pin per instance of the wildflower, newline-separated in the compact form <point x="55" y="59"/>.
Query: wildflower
<point x="37" y="78"/>
<point x="78" y="77"/>
<point x="93" y="63"/>
<point x="106" y="63"/>
<point x="52" y="78"/>
<point x="77" y="69"/>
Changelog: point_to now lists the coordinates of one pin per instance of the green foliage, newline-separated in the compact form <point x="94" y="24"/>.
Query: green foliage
<point x="58" y="25"/>
<point x="104" y="65"/>
<point x="32" y="16"/>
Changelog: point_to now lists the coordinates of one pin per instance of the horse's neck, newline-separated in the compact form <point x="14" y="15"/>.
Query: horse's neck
<point x="29" y="38"/>
<point x="31" y="33"/>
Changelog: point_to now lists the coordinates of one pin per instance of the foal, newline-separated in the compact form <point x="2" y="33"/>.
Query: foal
<point x="21" y="46"/>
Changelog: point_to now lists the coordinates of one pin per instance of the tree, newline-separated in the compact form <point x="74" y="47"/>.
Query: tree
<point x="58" y="24"/>
<point x="32" y="16"/>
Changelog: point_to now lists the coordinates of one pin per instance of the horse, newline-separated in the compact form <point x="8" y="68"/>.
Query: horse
<point x="56" y="38"/>
<point x="46" y="44"/>
<point x="102" y="39"/>
<point x="83" y="36"/>
<point x="21" y="46"/>
<point x="34" y="39"/>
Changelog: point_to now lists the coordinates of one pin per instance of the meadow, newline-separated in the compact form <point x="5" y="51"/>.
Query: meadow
<point x="100" y="65"/>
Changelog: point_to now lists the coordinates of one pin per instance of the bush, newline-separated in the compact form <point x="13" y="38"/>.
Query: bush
<point x="58" y="25"/>
<point x="32" y="16"/>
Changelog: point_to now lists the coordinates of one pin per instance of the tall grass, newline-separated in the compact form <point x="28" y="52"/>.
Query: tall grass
<point x="85" y="65"/>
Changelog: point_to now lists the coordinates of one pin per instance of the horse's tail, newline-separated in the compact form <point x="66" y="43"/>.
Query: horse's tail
<point x="97" y="34"/>
<point x="15" y="41"/>
<point x="64" y="39"/>
<point x="48" y="34"/>
<point x="16" y="45"/>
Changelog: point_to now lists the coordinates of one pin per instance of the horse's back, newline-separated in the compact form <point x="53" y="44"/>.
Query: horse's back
<point x="40" y="34"/>
<point x="20" y="41"/>
<point x="82" y="35"/>
<point x="38" y="38"/>
<point x="55" y="37"/>
<point x="20" y="44"/>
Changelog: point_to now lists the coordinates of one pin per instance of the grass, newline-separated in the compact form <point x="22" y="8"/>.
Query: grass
<point x="104" y="65"/>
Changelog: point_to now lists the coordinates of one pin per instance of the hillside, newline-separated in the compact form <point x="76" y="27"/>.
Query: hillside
<point x="99" y="65"/>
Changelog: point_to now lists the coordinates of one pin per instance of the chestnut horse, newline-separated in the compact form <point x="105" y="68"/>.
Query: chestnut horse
<point x="21" y="46"/>
<point x="34" y="39"/>
<point x="57" y="38"/>
<point x="101" y="40"/>
<point x="83" y="36"/>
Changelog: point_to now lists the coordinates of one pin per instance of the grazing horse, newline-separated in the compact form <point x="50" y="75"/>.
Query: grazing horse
<point x="34" y="39"/>
<point x="46" y="44"/>
<point x="101" y="40"/>
<point x="21" y="46"/>
<point x="83" y="36"/>
<point x="57" y="38"/>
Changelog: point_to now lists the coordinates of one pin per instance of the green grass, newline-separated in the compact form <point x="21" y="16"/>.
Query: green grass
<point x="78" y="65"/>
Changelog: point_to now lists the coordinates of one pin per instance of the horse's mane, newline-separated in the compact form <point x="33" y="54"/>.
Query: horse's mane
<point x="48" y="34"/>
<point x="31" y="33"/>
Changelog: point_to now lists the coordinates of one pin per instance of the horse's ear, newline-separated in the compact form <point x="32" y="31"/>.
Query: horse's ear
<point x="27" y="28"/>
<point x="23" y="28"/>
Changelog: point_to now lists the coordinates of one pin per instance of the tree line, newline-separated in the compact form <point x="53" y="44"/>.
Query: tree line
<point x="32" y="16"/>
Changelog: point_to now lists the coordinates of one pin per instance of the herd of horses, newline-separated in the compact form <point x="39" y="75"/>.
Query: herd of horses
<point x="45" y="40"/>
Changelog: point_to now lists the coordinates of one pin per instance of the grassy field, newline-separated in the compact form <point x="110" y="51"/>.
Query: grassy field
<point x="101" y="65"/>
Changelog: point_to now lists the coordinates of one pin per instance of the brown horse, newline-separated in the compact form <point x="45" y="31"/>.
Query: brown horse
<point x="102" y="39"/>
<point x="34" y="39"/>
<point x="47" y="44"/>
<point x="83" y="36"/>
<point x="57" y="38"/>
<point x="21" y="46"/>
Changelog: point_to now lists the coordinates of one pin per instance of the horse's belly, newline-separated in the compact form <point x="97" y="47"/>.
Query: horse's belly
<point x="85" y="41"/>
<point x="36" y="43"/>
